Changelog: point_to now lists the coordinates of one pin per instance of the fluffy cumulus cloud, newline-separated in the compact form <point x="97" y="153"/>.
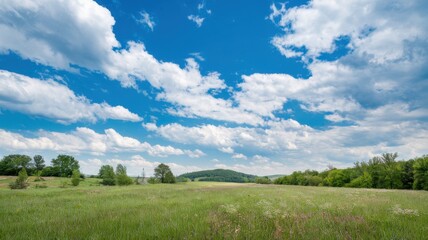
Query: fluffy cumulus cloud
<point x="53" y="100"/>
<point x="89" y="42"/>
<point x="85" y="140"/>
<point x="381" y="64"/>
<point x="30" y="28"/>
<point x="298" y="146"/>
<point x="135" y="165"/>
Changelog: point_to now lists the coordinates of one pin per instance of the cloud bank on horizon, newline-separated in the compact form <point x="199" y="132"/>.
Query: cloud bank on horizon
<point x="318" y="83"/>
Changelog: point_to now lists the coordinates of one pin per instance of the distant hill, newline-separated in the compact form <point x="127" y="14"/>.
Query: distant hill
<point x="219" y="175"/>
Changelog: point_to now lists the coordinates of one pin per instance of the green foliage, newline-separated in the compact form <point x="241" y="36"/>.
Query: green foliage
<point x="121" y="176"/>
<point x="182" y="179"/>
<point x="39" y="162"/>
<point x="421" y="173"/>
<point x="64" y="165"/>
<point x="12" y="164"/>
<point x="107" y="174"/>
<point x="219" y="175"/>
<point x="160" y="171"/>
<point x="378" y="172"/>
<point x="263" y="180"/>
<point x="49" y="172"/>
<point x="306" y="178"/>
<point x="153" y="180"/>
<point x="363" y="181"/>
<point x="75" y="177"/>
<point x="21" y="182"/>
<point x="169" y="178"/>
<point x="38" y="175"/>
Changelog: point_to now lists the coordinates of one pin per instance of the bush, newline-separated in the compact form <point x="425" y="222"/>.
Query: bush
<point x="75" y="177"/>
<point x="121" y="176"/>
<point x="263" y="180"/>
<point x="363" y="181"/>
<point x="108" y="176"/>
<point x="123" y="180"/>
<point x="153" y="180"/>
<point x="21" y="182"/>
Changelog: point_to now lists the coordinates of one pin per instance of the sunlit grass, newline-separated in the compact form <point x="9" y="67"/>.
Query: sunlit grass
<point x="203" y="210"/>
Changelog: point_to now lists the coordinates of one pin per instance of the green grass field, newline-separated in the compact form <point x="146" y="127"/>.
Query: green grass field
<point x="201" y="210"/>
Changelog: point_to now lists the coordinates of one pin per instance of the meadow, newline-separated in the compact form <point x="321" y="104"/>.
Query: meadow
<point x="209" y="210"/>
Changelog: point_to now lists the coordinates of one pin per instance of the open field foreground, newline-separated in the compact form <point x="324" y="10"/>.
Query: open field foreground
<point x="210" y="211"/>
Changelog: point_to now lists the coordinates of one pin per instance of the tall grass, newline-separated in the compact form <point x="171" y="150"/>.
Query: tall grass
<point x="211" y="211"/>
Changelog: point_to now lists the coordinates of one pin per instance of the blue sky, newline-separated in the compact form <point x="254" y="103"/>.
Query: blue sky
<point x="262" y="87"/>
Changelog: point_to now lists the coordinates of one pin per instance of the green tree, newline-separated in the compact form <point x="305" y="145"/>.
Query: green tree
<point x="64" y="165"/>
<point x="12" y="164"/>
<point x="420" y="169"/>
<point x="39" y="162"/>
<point x="336" y="178"/>
<point x="107" y="174"/>
<point x="363" y="181"/>
<point x="121" y="176"/>
<point x="160" y="172"/>
<point x="169" y="178"/>
<point x="75" y="177"/>
<point x="22" y="181"/>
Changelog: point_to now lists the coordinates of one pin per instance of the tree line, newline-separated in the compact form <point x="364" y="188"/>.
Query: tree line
<point x="379" y="172"/>
<point x="67" y="166"/>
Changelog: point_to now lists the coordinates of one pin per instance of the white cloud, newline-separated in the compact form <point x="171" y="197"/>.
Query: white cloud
<point x="146" y="20"/>
<point x="89" y="42"/>
<point x="239" y="156"/>
<point x="85" y="140"/>
<point x="384" y="65"/>
<point x="300" y="147"/>
<point x="226" y="150"/>
<point x="53" y="100"/>
<point x="196" y="19"/>
<point x="135" y="166"/>
<point x="30" y="28"/>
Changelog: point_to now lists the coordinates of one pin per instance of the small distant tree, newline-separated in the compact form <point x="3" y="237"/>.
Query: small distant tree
<point x="107" y="174"/>
<point x="39" y="162"/>
<point x="121" y="176"/>
<point x="161" y="172"/>
<point x="75" y="177"/>
<point x="21" y="182"/>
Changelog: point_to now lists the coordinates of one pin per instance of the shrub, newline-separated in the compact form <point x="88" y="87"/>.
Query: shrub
<point x="263" y="180"/>
<point x="21" y="182"/>
<point x="107" y="174"/>
<point x="121" y="176"/>
<point x="363" y="181"/>
<point x="153" y="180"/>
<point x="75" y="177"/>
